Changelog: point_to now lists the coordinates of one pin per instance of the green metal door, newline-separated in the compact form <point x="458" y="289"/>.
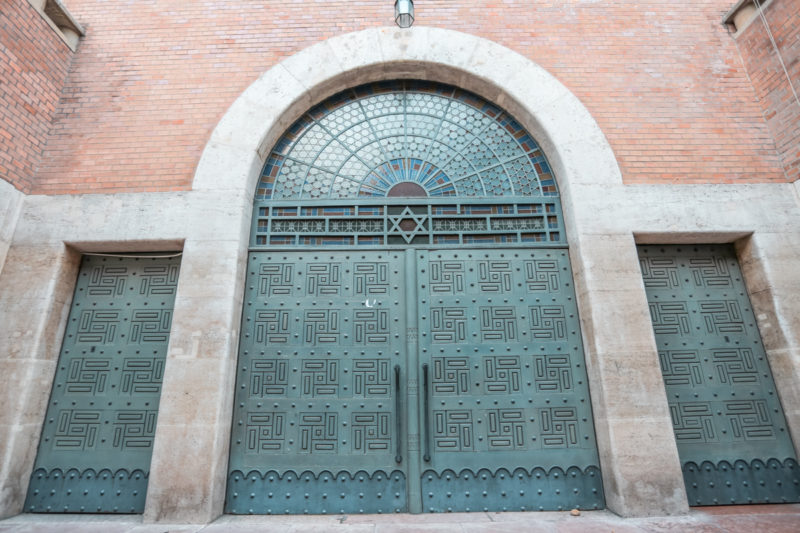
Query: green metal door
<point x="318" y="421"/>
<point x="507" y="421"/>
<point x="411" y="380"/>
<point x="94" y="452"/>
<point x="728" y="421"/>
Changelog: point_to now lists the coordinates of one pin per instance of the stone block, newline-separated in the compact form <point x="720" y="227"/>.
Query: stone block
<point x="632" y="385"/>
<point x="212" y="269"/>
<point x="357" y="51"/>
<point x="197" y="392"/>
<point x="187" y="482"/>
<point x="771" y="261"/>
<point x="205" y="327"/>
<point x="11" y="201"/>
<point x="26" y="391"/>
<point x="605" y="262"/>
<point x="778" y="318"/>
<point x="32" y="328"/>
<point x="18" y="447"/>
<point x="641" y="469"/>
<point x="227" y="166"/>
<point x="616" y="321"/>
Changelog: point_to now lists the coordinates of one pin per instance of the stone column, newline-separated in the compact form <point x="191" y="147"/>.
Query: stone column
<point x="190" y="454"/>
<point x="36" y="288"/>
<point x="638" y="455"/>
<point x="771" y="265"/>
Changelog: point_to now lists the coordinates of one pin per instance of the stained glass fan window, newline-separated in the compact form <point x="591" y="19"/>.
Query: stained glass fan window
<point x="405" y="138"/>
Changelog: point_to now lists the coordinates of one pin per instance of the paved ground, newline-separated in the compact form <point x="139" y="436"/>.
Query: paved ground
<point x="750" y="519"/>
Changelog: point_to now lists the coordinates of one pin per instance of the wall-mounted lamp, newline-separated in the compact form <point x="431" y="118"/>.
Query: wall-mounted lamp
<point x="404" y="13"/>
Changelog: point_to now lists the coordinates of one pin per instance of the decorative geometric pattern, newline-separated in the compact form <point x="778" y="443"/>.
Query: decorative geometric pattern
<point x="548" y="322"/>
<point x="371" y="432"/>
<point x="142" y="376"/>
<point x="371" y="326"/>
<point x="405" y="222"/>
<point x="502" y="374"/>
<point x="553" y="373"/>
<point x="513" y="393"/>
<point x="498" y="324"/>
<point x="453" y="430"/>
<point x="505" y="429"/>
<point x="371" y="377"/>
<point x="77" y="429"/>
<point x="542" y="276"/>
<point x="316" y="392"/>
<point x="150" y="326"/>
<point x="320" y="377"/>
<point x="268" y="377"/>
<point x="134" y="429"/>
<point x="318" y="432"/>
<point x="447" y="277"/>
<point x="265" y="432"/>
<point x="88" y="376"/>
<point x="371" y="278"/>
<point x="94" y="453"/>
<point x="722" y="398"/>
<point x="448" y="325"/>
<point x="321" y="327"/>
<point x="364" y="141"/>
<point x="681" y="367"/>
<point x="275" y="279"/>
<point x="271" y="327"/>
<point x="161" y="280"/>
<point x="323" y="279"/>
<point x="559" y="427"/>
<point x="98" y="326"/>
<point x="450" y="375"/>
<point x="670" y="318"/>
<point x="494" y="276"/>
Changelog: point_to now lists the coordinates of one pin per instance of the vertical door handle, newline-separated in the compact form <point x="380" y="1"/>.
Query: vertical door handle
<point x="398" y="415"/>
<point x="426" y="414"/>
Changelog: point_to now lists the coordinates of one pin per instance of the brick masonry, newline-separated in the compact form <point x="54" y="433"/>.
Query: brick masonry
<point x="34" y="62"/>
<point x="152" y="78"/>
<point x="780" y="106"/>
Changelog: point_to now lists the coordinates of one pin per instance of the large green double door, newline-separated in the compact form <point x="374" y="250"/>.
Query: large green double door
<point x="416" y="380"/>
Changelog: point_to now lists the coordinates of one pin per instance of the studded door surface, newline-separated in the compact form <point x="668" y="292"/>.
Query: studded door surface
<point x="729" y="425"/>
<point x="96" y="444"/>
<point x="317" y="409"/>
<point x="506" y="414"/>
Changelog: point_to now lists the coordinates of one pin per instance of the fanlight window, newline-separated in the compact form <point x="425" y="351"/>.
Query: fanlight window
<point x="405" y="138"/>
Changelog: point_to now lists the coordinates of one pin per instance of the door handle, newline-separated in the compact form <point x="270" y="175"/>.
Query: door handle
<point x="426" y="414"/>
<point x="398" y="415"/>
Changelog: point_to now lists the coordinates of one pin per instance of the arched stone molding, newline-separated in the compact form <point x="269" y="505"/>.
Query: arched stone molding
<point x="641" y="475"/>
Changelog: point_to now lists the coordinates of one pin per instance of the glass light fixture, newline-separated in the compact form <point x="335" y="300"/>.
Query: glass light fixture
<point x="404" y="13"/>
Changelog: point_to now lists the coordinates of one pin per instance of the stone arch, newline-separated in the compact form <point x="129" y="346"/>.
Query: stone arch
<point x="573" y="142"/>
<point x="580" y="156"/>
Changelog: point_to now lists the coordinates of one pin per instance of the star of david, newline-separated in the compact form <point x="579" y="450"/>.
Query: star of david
<point x="402" y="224"/>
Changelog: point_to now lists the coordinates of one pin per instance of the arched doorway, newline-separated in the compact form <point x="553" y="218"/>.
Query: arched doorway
<point x="410" y="338"/>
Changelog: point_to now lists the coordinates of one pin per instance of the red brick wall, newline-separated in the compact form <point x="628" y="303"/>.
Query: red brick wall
<point x="33" y="66"/>
<point x="780" y="106"/>
<point x="153" y="77"/>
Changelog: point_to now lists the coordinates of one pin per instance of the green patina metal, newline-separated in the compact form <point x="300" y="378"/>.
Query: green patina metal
<point x="409" y="222"/>
<point x="330" y="416"/>
<point x="410" y="340"/>
<point x="94" y="452"/>
<point x="729" y="425"/>
<point x="317" y="405"/>
<point x="508" y="422"/>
